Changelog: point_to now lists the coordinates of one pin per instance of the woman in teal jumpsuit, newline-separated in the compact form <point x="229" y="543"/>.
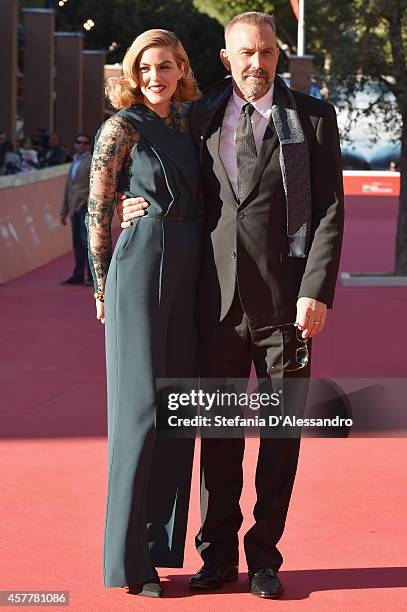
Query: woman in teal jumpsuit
<point x="145" y="292"/>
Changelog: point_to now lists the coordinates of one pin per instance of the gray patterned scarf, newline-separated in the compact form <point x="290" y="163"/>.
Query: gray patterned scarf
<point x="295" y="168"/>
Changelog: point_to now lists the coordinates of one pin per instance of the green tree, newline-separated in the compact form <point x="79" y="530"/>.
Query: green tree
<point x="365" y="42"/>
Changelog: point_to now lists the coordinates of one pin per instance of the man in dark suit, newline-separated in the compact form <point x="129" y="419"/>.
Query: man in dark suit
<point x="274" y="222"/>
<point x="55" y="153"/>
<point x="74" y="205"/>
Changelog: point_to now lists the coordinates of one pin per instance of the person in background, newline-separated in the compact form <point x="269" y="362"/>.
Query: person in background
<point x="39" y="140"/>
<point x="55" y="153"/>
<point x="3" y="140"/>
<point x="10" y="162"/>
<point x="29" y="156"/>
<point x="5" y="147"/>
<point x="392" y="166"/>
<point x="75" y="206"/>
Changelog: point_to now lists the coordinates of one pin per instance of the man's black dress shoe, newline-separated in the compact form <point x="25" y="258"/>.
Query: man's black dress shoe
<point x="265" y="583"/>
<point x="72" y="280"/>
<point x="213" y="576"/>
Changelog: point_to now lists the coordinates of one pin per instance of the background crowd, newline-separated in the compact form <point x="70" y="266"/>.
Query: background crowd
<point x="42" y="150"/>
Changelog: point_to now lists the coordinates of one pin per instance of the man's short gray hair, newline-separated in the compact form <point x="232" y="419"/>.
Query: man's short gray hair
<point x="252" y="18"/>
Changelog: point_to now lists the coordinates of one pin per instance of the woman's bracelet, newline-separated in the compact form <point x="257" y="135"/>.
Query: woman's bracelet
<point x="99" y="295"/>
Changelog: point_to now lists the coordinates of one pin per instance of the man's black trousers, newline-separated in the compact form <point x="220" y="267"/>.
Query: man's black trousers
<point x="227" y="350"/>
<point x="80" y="245"/>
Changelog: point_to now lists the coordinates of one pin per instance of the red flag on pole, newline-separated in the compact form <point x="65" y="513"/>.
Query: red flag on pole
<point x="295" y="7"/>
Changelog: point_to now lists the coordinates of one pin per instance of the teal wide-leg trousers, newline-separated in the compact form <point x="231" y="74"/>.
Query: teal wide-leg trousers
<point x="150" y="332"/>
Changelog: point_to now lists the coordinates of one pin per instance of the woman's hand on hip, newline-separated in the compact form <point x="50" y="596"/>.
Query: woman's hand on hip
<point x="129" y="208"/>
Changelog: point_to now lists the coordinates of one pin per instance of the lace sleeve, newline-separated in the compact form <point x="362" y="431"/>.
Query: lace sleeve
<point x="113" y="145"/>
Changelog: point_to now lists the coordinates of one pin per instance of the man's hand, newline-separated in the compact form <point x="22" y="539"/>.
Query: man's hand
<point x="100" y="311"/>
<point x="311" y="316"/>
<point x="62" y="218"/>
<point x="129" y="208"/>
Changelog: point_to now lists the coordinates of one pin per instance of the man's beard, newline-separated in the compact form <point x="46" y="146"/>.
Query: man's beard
<point x="255" y="87"/>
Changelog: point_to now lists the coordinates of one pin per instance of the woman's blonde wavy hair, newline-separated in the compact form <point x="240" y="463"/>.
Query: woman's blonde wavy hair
<point x="125" y="90"/>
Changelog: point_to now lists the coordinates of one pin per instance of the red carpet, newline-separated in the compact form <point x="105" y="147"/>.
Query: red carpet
<point x="346" y="536"/>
